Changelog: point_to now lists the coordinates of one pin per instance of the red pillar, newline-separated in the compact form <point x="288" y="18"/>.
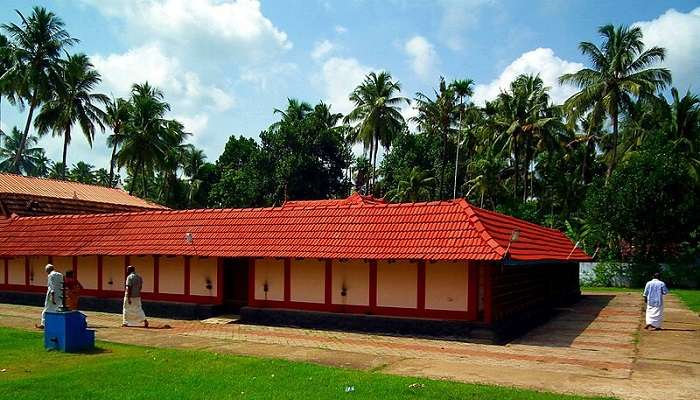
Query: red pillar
<point x="7" y="271"/>
<point x="372" y="285"/>
<point x="287" y="280"/>
<point x="220" y="280"/>
<point x="26" y="271"/>
<point x="127" y="260"/>
<point x="156" y="274"/>
<point x="472" y="291"/>
<point x="187" y="275"/>
<point x="329" y="283"/>
<point x="75" y="267"/>
<point x="421" y="287"/>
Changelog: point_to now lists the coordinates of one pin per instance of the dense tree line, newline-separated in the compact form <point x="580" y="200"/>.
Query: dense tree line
<point x="617" y="165"/>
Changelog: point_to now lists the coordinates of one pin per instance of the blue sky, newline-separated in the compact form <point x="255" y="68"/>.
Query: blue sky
<point x="225" y="65"/>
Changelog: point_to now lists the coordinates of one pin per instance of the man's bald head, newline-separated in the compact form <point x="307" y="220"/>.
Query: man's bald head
<point x="49" y="268"/>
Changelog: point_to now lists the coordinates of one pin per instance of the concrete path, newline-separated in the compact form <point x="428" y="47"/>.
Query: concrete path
<point x="596" y="347"/>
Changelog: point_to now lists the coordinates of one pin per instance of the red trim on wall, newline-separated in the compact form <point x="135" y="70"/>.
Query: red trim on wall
<point x="420" y="299"/>
<point x="187" y="275"/>
<point x="49" y="259"/>
<point x="99" y="273"/>
<point x="372" y="285"/>
<point x="287" y="279"/>
<point x="26" y="271"/>
<point x="156" y="274"/>
<point x="329" y="283"/>
<point x="473" y="290"/>
<point x="75" y="267"/>
<point x="251" y="280"/>
<point x="488" y="295"/>
<point x="7" y="271"/>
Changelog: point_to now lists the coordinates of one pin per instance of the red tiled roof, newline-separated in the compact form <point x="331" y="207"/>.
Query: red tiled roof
<point x="448" y="230"/>
<point x="23" y="185"/>
<point x="354" y="199"/>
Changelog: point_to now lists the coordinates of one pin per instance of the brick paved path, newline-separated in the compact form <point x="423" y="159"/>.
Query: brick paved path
<point x="595" y="347"/>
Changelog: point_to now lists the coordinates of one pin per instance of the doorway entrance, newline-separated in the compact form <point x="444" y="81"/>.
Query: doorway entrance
<point x="235" y="284"/>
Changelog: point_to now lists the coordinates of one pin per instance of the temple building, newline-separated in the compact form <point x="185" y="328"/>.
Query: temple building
<point x="435" y="268"/>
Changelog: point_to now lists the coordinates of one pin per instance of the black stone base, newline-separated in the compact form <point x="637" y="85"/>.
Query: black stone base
<point x="163" y="309"/>
<point x="417" y="327"/>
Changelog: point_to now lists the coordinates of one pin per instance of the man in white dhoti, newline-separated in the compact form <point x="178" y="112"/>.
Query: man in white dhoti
<point x="654" y="293"/>
<point x="133" y="314"/>
<point x="54" y="292"/>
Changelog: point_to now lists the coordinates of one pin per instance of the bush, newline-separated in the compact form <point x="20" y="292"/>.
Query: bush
<point x="636" y="275"/>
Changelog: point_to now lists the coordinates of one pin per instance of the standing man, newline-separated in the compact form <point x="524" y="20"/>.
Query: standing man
<point x="654" y="293"/>
<point x="54" y="292"/>
<point x="133" y="314"/>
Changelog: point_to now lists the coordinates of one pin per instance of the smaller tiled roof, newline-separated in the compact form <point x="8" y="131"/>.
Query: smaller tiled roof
<point x="51" y="188"/>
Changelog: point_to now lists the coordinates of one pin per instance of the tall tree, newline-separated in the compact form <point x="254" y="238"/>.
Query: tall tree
<point x="377" y="114"/>
<point x="37" y="43"/>
<point x="73" y="102"/>
<point x="439" y="117"/>
<point x="620" y="71"/>
<point x="83" y="172"/>
<point x="117" y="114"/>
<point x="6" y="60"/>
<point x="462" y="88"/>
<point x="145" y="139"/>
<point x="31" y="157"/>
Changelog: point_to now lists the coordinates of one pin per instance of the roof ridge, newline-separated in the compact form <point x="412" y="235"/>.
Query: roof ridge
<point x="474" y="219"/>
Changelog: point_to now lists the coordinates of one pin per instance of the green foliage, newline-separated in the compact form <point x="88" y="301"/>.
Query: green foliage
<point x="649" y="206"/>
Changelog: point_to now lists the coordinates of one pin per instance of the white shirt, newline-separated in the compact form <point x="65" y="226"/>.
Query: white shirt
<point x="54" y="284"/>
<point x="654" y="291"/>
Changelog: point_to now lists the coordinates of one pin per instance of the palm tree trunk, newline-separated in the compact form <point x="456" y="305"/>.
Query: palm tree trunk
<point x="143" y="180"/>
<point x="459" y="144"/>
<point x="516" y="170"/>
<point x="443" y="166"/>
<point x="111" y="165"/>
<point x="23" y="140"/>
<point x="66" y="139"/>
<point x="613" y="161"/>
<point x="374" y="163"/>
<point x="528" y="157"/>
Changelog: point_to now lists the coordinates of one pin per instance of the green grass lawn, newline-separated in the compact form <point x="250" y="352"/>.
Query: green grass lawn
<point x="609" y="289"/>
<point x="691" y="298"/>
<point x="120" y="371"/>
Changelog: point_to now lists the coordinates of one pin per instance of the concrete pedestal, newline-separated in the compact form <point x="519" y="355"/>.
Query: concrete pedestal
<point x="67" y="331"/>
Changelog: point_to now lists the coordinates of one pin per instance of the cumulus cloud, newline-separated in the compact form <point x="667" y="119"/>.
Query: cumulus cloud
<point x="322" y="49"/>
<point x="540" y="61"/>
<point x="233" y="28"/>
<point x="149" y="63"/>
<point x="340" y="29"/>
<point x="679" y="34"/>
<point x="422" y="56"/>
<point x="339" y="77"/>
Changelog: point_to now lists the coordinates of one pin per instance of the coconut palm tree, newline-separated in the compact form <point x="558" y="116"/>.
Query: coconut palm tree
<point x="439" y="117"/>
<point x="462" y="88"/>
<point x="31" y="157"/>
<point x="73" y="103"/>
<point x="415" y="187"/>
<point x="82" y="172"/>
<point x="102" y="178"/>
<point x="6" y="59"/>
<point x="377" y="115"/>
<point x="37" y="44"/>
<point x="146" y="140"/>
<point x="118" y="112"/>
<point x="620" y="71"/>
<point x="57" y="170"/>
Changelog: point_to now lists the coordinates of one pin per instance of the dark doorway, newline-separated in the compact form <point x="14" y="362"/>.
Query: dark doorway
<point x="235" y="284"/>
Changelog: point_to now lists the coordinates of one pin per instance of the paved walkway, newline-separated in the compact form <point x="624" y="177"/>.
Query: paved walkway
<point x="595" y="347"/>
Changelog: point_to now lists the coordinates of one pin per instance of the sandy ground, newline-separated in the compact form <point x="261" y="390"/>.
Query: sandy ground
<point x="596" y="347"/>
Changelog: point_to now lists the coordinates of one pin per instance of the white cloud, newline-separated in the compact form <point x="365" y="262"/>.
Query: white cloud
<point x="194" y="123"/>
<point x="459" y="16"/>
<point x="679" y="34"/>
<point x="422" y="56"/>
<point x="540" y="61"/>
<point x="322" y="49"/>
<point x="225" y="28"/>
<point x="340" y="29"/>
<point x="149" y="63"/>
<point x="340" y="76"/>
<point x="269" y="76"/>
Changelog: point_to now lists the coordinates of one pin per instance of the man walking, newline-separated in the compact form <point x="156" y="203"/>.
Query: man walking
<point x="54" y="292"/>
<point x="654" y="293"/>
<point x="133" y="314"/>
